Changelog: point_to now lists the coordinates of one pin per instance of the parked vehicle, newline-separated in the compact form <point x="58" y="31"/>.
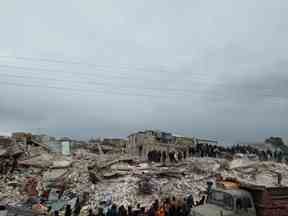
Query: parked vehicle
<point x="3" y="210"/>
<point x="234" y="198"/>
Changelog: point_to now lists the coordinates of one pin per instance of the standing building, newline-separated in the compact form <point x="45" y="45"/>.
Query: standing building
<point x="66" y="148"/>
<point x="143" y="142"/>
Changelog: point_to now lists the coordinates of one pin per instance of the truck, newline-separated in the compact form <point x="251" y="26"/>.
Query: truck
<point x="242" y="199"/>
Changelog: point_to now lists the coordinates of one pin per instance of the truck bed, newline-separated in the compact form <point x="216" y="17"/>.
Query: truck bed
<point x="269" y="201"/>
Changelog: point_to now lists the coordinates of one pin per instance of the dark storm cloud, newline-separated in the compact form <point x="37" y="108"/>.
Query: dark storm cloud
<point x="266" y="83"/>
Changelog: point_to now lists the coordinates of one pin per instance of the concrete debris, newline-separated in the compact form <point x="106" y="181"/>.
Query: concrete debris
<point x="30" y="186"/>
<point x="43" y="161"/>
<point x="61" y="164"/>
<point x="84" y="179"/>
<point x="55" y="174"/>
<point x="147" y="186"/>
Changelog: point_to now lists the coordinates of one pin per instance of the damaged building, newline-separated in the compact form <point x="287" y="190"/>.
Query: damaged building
<point x="88" y="176"/>
<point x="108" y="145"/>
<point x="143" y="142"/>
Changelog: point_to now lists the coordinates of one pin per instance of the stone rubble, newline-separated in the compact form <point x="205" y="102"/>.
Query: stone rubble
<point x="121" y="176"/>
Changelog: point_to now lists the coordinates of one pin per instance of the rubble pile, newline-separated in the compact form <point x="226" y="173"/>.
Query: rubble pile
<point x="128" y="179"/>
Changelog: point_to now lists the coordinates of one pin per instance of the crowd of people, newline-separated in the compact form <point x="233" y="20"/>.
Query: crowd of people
<point x="214" y="151"/>
<point x="168" y="207"/>
<point x="172" y="156"/>
<point x="208" y="150"/>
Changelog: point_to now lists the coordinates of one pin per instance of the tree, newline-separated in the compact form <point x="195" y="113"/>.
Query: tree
<point x="277" y="141"/>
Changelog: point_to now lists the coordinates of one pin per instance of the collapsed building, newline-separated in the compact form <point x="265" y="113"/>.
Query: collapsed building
<point x="20" y="146"/>
<point x="143" y="142"/>
<point x="8" y="155"/>
<point x="127" y="178"/>
<point x="107" y="145"/>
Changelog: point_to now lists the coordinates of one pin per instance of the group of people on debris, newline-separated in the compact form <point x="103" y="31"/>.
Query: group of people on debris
<point x="168" y="207"/>
<point x="163" y="156"/>
<point x="215" y="151"/>
<point x="208" y="150"/>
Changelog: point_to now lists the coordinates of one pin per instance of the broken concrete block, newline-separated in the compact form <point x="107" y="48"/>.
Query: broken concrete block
<point x="61" y="164"/>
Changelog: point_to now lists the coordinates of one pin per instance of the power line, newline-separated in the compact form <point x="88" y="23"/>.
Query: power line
<point x="105" y="92"/>
<point x="32" y="70"/>
<point x="94" y="92"/>
<point x="79" y="90"/>
<point x="93" y="83"/>
<point x="87" y="75"/>
<point x="89" y="64"/>
<point x="61" y="61"/>
<point x="89" y="91"/>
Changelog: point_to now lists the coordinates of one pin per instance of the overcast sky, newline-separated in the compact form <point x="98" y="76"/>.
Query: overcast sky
<point x="215" y="69"/>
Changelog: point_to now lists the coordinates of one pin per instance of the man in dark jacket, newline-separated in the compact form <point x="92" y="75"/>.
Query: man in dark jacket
<point x="130" y="213"/>
<point x="122" y="211"/>
<point x="136" y="212"/>
<point x="113" y="211"/>
<point x="152" y="211"/>
<point x="68" y="211"/>
<point x="100" y="212"/>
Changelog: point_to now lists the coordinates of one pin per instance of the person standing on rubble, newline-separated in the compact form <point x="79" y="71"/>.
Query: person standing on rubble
<point x="167" y="206"/>
<point x="174" y="157"/>
<point x="164" y="156"/>
<point x="160" y="211"/>
<point x="179" y="156"/>
<point x="136" y="212"/>
<point x="77" y="208"/>
<point x="201" y="201"/>
<point x="68" y="210"/>
<point x="100" y="212"/>
<point x="153" y="209"/>
<point x="142" y="212"/>
<point x="184" y="154"/>
<point x="151" y="156"/>
<point x="280" y="157"/>
<point x="130" y="213"/>
<point x="180" y="208"/>
<point x="190" y="201"/>
<point x="122" y="211"/>
<point x="154" y="156"/>
<point x="159" y="156"/>
<point x="170" y="157"/>
<point x="172" y="210"/>
<point x="279" y="178"/>
<point x="113" y="211"/>
<point x="210" y="184"/>
<point x="140" y="150"/>
<point x="269" y="153"/>
<point x="90" y="212"/>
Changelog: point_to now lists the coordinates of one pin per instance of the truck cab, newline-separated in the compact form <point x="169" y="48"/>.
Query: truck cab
<point x="227" y="202"/>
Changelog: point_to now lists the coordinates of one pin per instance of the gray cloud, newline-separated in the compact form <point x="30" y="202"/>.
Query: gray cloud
<point x="265" y="83"/>
<point x="204" y="68"/>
